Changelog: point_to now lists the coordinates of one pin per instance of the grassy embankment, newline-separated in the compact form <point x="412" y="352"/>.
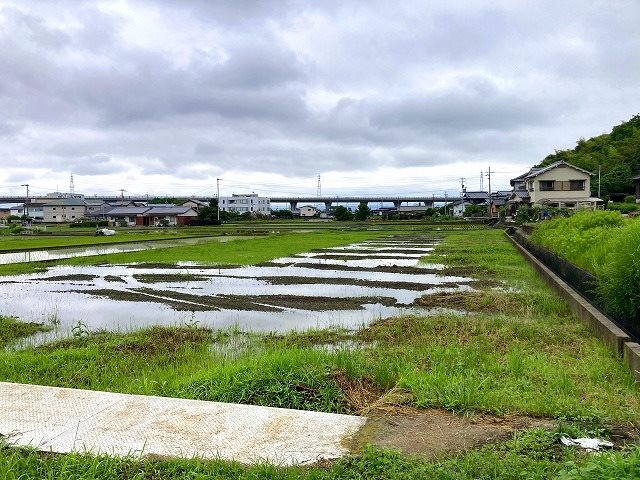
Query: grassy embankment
<point x="607" y="245"/>
<point x="518" y="351"/>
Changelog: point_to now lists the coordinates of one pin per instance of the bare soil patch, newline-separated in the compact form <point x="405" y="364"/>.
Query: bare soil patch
<point x="447" y="271"/>
<point x="266" y="303"/>
<point x="434" y="432"/>
<point x="488" y="301"/>
<point x="373" y="250"/>
<point x="114" y="279"/>
<point x="357" y="282"/>
<point x="167" y="277"/>
<point x="77" y="277"/>
<point x="358" y="257"/>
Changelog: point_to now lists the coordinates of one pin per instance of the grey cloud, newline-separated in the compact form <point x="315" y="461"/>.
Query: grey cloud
<point x="78" y="96"/>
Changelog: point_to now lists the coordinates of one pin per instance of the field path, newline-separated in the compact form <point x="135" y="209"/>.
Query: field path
<point x="66" y="420"/>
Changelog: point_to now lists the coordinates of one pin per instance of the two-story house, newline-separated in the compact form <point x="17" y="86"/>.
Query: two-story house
<point x="558" y="185"/>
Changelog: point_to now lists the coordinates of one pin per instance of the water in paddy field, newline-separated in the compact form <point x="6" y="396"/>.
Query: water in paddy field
<point x="310" y="290"/>
<point x="104" y="249"/>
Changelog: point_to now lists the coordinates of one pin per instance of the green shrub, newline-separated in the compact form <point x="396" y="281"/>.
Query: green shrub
<point x="622" y="207"/>
<point x="630" y="199"/>
<point x="619" y="272"/>
<point x="579" y="238"/>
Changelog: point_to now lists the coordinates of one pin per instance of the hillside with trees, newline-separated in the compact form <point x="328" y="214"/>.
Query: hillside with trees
<point x="617" y="153"/>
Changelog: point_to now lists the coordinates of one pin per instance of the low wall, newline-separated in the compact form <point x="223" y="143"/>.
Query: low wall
<point x="603" y="327"/>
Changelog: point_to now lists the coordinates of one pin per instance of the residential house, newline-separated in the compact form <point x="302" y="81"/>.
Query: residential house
<point x="63" y="210"/>
<point x="195" y="204"/>
<point x="126" y="215"/>
<point x="308" y="211"/>
<point x="559" y="185"/>
<point x="251" y="203"/>
<point x="97" y="207"/>
<point x="168" y="215"/>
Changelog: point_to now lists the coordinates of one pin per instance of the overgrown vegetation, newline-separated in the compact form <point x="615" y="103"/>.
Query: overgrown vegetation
<point x="606" y="245"/>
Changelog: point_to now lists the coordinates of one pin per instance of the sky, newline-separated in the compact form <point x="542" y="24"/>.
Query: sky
<point x="375" y="97"/>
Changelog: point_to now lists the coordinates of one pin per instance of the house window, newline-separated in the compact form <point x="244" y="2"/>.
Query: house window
<point x="54" y="209"/>
<point x="576" y="185"/>
<point x="54" y="216"/>
<point x="546" y="185"/>
<point x="73" y="208"/>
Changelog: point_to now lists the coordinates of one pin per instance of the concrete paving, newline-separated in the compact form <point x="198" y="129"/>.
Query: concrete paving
<point x="66" y="420"/>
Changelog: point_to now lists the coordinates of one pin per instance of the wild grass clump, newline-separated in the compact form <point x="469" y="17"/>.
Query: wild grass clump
<point x="618" y="272"/>
<point x="580" y="238"/>
<point x="12" y="329"/>
<point x="606" y="245"/>
<point x="292" y="378"/>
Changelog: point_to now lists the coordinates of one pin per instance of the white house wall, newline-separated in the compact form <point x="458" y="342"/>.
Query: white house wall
<point x="560" y="174"/>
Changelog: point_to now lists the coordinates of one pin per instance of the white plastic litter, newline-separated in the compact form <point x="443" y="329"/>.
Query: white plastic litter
<point x="589" y="444"/>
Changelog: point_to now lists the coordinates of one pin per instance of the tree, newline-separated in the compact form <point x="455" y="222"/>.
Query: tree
<point x="362" y="212"/>
<point x="210" y="212"/>
<point x="342" y="214"/>
<point x="284" y="214"/>
<point x="473" y="210"/>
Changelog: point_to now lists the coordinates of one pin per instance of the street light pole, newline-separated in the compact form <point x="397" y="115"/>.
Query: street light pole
<point x="218" y="195"/>
<point x="25" y="210"/>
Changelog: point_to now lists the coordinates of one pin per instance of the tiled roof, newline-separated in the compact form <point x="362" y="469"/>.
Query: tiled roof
<point x="123" y="211"/>
<point x="169" y="210"/>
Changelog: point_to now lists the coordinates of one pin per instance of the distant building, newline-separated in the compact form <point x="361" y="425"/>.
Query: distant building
<point x="63" y="210"/>
<point x="195" y="204"/>
<point x="308" y="211"/>
<point x="251" y="203"/>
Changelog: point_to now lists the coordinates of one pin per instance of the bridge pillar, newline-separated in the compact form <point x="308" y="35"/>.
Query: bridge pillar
<point x="327" y="207"/>
<point x="293" y="206"/>
<point x="396" y="203"/>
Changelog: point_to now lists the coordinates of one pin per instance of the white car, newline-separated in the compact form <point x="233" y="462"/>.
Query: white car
<point x="105" y="232"/>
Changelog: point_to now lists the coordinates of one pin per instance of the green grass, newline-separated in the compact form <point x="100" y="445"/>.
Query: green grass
<point x="12" y="329"/>
<point x="533" y="454"/>
<point x="35" y="242"/>
<point x="521" y="352"/>
<point x="240" y="252"/>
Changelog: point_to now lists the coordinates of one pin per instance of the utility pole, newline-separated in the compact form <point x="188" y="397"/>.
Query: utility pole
<point x="72" y="188"/>
<point x="122" y="195"/>
<point x="25" y="209"/>
<point x="481" y="180"/>
<point x="599" y="181"/>
<point x="446" y="205"/>
<point x="218" y="195"/>
<point x="463" y="190"/>
<point x="490" y="202"/>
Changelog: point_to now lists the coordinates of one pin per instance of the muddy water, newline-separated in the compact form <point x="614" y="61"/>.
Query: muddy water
<point x="264" y="298"/>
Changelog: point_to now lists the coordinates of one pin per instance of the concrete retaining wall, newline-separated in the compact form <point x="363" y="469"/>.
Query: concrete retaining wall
<point x="600" y="324"/>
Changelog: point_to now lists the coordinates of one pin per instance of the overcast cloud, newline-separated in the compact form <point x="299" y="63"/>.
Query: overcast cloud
<point x="165" y="97"/>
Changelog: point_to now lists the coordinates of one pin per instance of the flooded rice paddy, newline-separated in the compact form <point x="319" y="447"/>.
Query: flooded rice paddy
<point x="345" y="286"/>
<point x="106" y="249"/>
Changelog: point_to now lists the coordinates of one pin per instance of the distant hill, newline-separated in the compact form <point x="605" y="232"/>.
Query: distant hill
<point x="617" y="153"/>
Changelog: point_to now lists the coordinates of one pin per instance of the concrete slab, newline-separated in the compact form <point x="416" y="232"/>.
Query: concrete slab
<point x="66" y="420"/>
